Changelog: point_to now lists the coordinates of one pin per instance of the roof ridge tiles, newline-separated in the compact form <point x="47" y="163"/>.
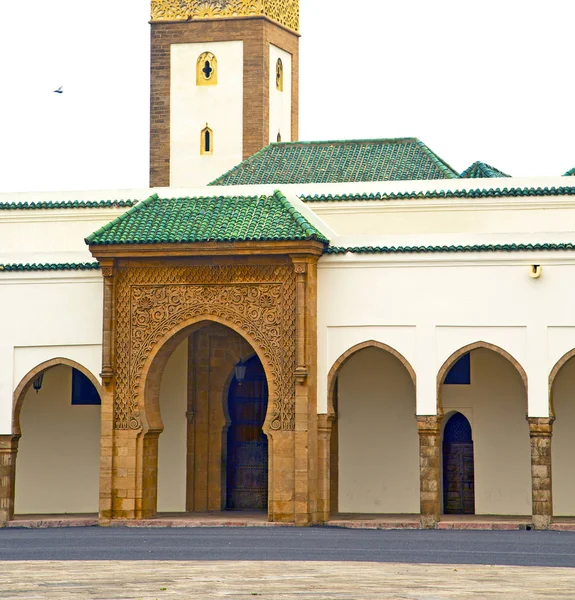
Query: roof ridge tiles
<point x="443" y="165"/>
<point x="509" y="247"/>
<point x="67" y="204"/>
<point x="481" y="170"/>
<point x="437" y="194"/>
<point x="85" y="266"/>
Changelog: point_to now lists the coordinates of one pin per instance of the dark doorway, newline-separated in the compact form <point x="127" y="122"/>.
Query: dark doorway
<point x="247" y="464"/>
<point x="458" y="467"/>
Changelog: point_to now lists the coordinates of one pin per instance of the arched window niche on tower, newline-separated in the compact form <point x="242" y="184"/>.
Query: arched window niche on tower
<point x="279" y="75"/>
<point x="207" y="141"/>
<point x="207" y="69"/>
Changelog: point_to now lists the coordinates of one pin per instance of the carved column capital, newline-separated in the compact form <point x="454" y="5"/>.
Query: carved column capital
<point x="540" y="426"/>
<point x="429" y="424"/>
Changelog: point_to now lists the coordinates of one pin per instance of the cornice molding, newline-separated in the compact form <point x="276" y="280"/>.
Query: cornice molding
<point x="283" y="12"/>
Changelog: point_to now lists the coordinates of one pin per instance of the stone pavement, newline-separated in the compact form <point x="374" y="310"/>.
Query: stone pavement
<point x="113" y="580"/>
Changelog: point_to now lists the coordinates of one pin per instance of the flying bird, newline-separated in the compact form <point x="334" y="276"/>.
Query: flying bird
<point x="59" y="90"/>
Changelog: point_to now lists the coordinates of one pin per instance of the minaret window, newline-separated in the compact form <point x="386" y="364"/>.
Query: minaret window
<point x="279" y="75"/>
<point x="207" y="141"/>
<point x="279" y="138"/>
<point x="207" y="69"/>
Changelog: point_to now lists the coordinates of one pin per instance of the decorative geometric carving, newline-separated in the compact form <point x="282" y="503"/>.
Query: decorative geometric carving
<point x="107" y="271"/>
<point x="258" y="300"/>
<point x="284" y="12"/>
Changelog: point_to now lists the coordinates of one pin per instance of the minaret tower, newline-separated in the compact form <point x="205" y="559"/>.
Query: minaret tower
<point x="224" y="84"/>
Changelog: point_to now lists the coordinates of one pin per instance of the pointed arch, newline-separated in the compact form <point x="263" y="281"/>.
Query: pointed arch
<point x="206" y="141"/>
<point x="444" y="370"/>
<point x="148" y="396"/>
<point x="207" y="69"/>
<point x="27" y="381"/>
<point x="333" y="373"/>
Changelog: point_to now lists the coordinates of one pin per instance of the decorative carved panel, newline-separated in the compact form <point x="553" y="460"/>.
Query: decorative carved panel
<point x="284" y="12"/>
<point x="259" y="300"/>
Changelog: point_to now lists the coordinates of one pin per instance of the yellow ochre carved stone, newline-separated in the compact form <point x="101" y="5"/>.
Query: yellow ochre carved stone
<point x="284" y="12"/>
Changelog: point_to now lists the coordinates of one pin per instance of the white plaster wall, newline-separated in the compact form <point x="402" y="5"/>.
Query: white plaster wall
<point x="495" y="404"/>
<point x="378" y="440"/>
<point x="173" y="440"/>
<point x="403" y="218"/>
<point x="280" y="102"/>
<point x="563" y="442"/>
<point x="192" y="106"/>
<point x="429" y="306"/>
<point x="57" y="467"/>
<point x="51" y="315"/>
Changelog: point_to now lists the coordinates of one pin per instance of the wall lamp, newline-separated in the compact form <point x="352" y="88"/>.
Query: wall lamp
<point x="37" y="383"/>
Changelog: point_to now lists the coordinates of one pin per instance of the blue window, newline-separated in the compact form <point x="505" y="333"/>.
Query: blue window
<point x="83" y="391"/>
<point x="460" y="372"/>
<point x="457" y="430"/>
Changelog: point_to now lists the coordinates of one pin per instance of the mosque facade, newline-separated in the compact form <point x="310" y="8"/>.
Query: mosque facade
<point x="307" y="329"/>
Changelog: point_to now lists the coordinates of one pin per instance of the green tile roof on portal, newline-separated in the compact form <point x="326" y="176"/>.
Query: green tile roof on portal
<point x="570" y="173"/>
<point x="398" y="159"/>
<point x="480" y="170"/>
<point x="208" y="219"/>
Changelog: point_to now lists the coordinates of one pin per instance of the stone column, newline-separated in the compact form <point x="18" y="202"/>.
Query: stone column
<point x="8" y="450"/>
<point x="324" y="426"/>
<point x="306" y="431"/>
<point x="429" y="429"/>
<point x="541" y="431"/>
<point x="108" y="503"/>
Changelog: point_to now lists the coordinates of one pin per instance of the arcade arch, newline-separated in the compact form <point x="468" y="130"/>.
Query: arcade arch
<point x="561" y="385"/>
<point x="58" y="460"/>
<point x="374" y="441"/>
<point x="189" y="383"/>
<point x="494" y="401"/>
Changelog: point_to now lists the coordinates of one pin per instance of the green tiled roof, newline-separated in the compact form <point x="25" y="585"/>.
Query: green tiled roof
<point x="68" y="204"/>
<point x="89" y="266"/>
<point x="480" y="170"/>
<point x="339" y="161"/>
<point x="452" y="249"/>
<point x="439" y="194"/>
<point x="211" y="219"/>
<point x="570" y="173"/>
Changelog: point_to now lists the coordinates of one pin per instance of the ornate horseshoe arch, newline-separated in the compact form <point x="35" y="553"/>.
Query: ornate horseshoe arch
<point x="259" y="302"/>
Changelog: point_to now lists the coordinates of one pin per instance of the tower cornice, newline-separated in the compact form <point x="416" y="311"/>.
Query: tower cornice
<point x="284" y="12"/>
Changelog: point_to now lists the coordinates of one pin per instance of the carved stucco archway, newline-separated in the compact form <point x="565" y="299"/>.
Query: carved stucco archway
<point x="155" y="304"/>
<point x="444" y="370"/>
<point x="27" y="381"/>
<point x="149" y="303"/>
<point x="148" y="397"/>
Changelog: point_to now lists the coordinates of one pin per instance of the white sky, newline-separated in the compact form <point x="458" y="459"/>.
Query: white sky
<point x="487" y="80"/>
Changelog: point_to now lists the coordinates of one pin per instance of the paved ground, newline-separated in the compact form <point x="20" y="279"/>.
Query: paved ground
<point x="520" y="548"/>
<point x="279" y="581"/>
